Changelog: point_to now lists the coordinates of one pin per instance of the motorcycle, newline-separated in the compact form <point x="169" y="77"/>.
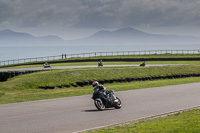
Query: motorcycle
<point x="46" y="65"/>
<point x="101" y="103"/>
<point x="143" y="64"/>
<point x="100" y="64"/>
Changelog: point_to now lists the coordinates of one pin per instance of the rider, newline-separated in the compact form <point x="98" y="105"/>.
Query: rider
<point x="97" y="86"/>
<point x="100" y="63"/>
<point x="100" y="88"/>
<point x="143" y="64"/>
<point x="46" y="64"/>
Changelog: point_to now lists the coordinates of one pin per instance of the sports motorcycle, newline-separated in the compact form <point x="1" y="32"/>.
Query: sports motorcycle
<point x="100" y="64"/>
<point x="46" y="65"/>
<point x="106" y="99"/>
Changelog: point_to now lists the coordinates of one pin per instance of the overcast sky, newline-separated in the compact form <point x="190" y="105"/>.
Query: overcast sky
<point x="71" y="19"/>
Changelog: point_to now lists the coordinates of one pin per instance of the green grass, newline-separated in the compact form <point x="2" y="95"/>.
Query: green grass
<point x="185" y="122"/>
<point x="24" y="65"/>
<point x="76" y="64"/>
<point x="25" y="87"/>
<point x="71" y="76"/>
<point x="109" y="63"/>
<point x="23" y="95"/>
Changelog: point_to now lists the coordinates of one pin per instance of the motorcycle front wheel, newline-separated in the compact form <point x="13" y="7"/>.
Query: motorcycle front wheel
<point x="118" y="104"/>
<point x="99" y="104"/>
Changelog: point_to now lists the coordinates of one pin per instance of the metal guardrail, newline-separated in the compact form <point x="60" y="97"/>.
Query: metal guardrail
<point x="95" y="54"/>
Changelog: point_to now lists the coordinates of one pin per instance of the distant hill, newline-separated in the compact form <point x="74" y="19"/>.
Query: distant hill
<point x="121" y="36"/>
<point x="132" y="36"/>
<point x="9" y="37"/>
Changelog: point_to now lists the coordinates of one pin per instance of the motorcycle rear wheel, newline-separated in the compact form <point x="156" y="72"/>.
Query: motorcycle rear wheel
<point x="99" y="104"/>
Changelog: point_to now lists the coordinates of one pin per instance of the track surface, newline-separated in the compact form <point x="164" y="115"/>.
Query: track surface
<point x="72" y="67"/>
<point x="75" y="114"/>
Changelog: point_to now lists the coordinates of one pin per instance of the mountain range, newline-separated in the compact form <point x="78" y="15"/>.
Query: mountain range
<point x="121" y="36"/>
<point x="9" y="37"/>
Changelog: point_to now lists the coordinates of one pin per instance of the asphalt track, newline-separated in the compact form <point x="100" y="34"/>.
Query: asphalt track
<point x="91" y="66"/>
<point x="78" y="114"/>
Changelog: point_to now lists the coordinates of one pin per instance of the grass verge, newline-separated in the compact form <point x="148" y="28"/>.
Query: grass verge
<point x="109" y="63"/>
<point x="184" y="122"/>
<point x="23" y="95"/>
<point x="24" y="65"/>
<point x="71" y="76"/>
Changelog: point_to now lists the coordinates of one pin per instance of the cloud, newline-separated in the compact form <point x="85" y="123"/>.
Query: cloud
<point x="37" y="13"/>
<point x="143" y="12"/>
<point x="98" y="13"/>
<point x="6" y="10"/>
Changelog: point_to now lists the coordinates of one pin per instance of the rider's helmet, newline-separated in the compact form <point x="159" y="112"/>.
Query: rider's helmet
<point x="95" y="84"/>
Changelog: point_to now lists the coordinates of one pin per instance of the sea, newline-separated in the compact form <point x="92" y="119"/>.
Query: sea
<point x="33" y="51"/>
